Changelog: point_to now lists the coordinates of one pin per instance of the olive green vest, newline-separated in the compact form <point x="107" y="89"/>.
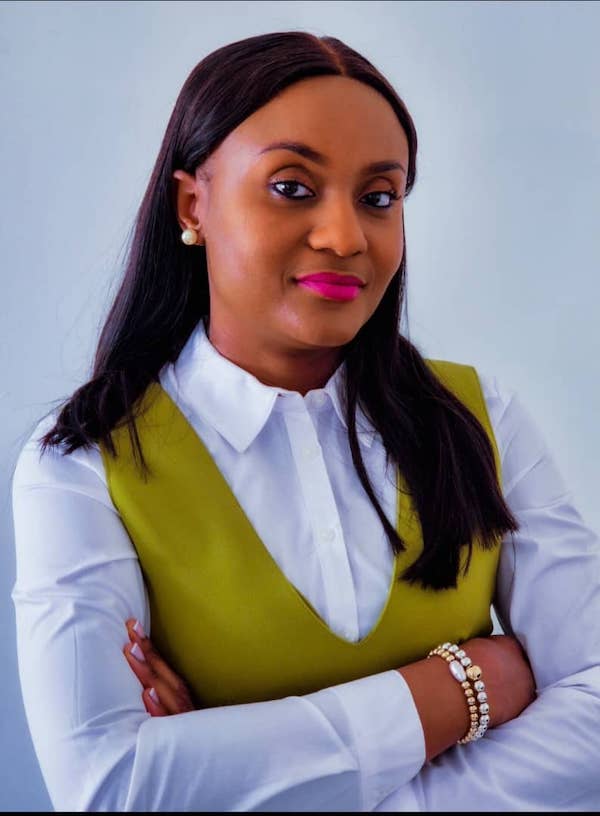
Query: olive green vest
<point x="224" y="615"/>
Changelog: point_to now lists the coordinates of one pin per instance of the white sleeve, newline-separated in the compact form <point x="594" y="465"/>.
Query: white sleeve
<point x="548" y="596"/>
<point x="78" y="580"/>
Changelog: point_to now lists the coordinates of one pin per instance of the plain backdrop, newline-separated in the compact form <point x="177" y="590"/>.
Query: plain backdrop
<point x="502" y="227"/>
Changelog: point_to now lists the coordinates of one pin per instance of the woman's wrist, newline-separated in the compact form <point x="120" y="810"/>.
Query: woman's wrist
<point x="440" y="704"/>
<point x="469" y="675"/>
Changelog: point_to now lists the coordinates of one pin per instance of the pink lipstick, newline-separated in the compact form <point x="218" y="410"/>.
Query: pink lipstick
<point x="332" y="286"/>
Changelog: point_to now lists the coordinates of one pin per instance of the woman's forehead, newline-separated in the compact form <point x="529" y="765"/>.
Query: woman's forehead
<point x="328" y="120"/>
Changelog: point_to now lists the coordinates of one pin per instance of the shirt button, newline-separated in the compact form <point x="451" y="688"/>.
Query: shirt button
<point x="328" y="534"/>
<point x="310" y="452"/>
<point x="320" y="398"/>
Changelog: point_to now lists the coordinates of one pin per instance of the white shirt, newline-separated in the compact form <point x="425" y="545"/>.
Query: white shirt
<point x="356" y="746"/>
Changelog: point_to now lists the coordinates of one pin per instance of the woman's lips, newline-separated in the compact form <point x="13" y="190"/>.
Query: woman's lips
<point x="332" y="286"/>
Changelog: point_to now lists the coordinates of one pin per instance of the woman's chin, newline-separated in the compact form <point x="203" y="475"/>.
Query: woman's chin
<point x="323" y="336"/>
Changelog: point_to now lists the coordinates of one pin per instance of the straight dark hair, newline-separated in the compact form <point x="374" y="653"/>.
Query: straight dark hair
<point x="441" y="449"/>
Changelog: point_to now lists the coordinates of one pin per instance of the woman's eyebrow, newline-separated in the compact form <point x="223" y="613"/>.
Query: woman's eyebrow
<point x="314" y="155"/>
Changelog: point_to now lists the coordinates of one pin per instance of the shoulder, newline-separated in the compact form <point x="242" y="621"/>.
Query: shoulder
<point x="520" y="441"/>
<point x="516" y="435"/>
<point x="466" y="378"/>
<point x="65" y="524"/>
<point x="80" y="471"/>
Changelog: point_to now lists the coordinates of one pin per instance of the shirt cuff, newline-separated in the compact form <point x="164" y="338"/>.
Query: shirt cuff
<point x="378" y="719"/>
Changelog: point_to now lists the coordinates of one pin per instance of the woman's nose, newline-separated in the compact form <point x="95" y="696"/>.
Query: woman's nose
<point x="337" y="227"/>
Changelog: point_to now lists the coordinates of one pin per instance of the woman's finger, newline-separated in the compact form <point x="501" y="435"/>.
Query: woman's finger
<point x="160" y="666"/>
<point x="142" y="670"/>
<point x="169" y="700"/>
<point x="153" y="703"/>
<point x="153" y="672"/>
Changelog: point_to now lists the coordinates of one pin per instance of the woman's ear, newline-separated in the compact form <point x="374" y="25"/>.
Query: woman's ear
<point x="187" y="200"/>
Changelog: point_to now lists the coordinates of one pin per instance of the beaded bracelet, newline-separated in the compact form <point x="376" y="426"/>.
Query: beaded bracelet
<point x="462" y="669"/>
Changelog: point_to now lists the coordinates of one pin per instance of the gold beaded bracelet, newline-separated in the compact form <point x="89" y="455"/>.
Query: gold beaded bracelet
<point x="462" y="669"/>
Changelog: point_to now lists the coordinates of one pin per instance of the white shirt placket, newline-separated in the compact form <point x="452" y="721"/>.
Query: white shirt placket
<point x="328" y="537"/>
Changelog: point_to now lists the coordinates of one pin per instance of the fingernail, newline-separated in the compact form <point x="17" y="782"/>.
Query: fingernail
<point x="137" y="653"/>
<point x="137" y="627"/>
<point x="154" y="696"/>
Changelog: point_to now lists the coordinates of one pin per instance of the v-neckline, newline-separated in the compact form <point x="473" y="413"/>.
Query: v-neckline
<point x="402" y="508"/>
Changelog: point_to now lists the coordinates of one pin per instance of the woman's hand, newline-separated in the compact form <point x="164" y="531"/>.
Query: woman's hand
<point x="440" y="701"/>
<point x="509" y="681"/>
<point x="164" y="691"/>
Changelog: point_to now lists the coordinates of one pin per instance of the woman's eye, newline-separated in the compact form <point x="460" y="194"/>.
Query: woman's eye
<point x="391" y="195"/>
<point x="289" y="186"/>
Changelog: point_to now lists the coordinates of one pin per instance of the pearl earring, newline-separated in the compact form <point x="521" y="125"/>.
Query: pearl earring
<point x="189" y="236"/>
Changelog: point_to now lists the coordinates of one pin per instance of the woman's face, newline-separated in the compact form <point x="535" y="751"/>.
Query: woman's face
<point x="271" y="215"/>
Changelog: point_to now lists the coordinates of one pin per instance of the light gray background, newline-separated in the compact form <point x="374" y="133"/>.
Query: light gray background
<point x="502" y="227"/>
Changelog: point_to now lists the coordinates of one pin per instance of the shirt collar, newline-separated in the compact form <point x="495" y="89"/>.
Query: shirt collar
<point x="233" y="401"/>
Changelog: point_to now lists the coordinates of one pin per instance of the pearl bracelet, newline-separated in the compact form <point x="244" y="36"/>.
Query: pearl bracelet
<point x="462" y="669"/>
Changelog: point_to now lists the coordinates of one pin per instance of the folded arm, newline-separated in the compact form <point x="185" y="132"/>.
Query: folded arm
<point x="548" y="596"/>
<point x="78" y="581"/>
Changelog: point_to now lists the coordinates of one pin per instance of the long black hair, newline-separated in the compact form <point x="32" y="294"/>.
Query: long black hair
<point x="442" y="450"/>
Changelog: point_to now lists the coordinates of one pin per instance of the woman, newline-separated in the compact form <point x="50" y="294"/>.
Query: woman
<point x="309" y="519"/>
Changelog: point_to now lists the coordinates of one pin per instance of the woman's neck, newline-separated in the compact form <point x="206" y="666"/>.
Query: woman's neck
<point x="293" y="369"/>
